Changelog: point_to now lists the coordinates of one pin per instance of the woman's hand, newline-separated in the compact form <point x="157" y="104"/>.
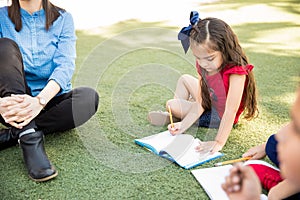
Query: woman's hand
<point x="209" y="146"/>
<point x="12" y="106"/>
<point x="176" y="129"/>
<point x="7" y="103"/>
<point x="256" y="153"/>
<point x="22" y="113"/>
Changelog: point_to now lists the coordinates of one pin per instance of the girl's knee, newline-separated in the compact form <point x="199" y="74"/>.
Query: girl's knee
<point x="171" y="103"/>
<point x="184" y="77"/>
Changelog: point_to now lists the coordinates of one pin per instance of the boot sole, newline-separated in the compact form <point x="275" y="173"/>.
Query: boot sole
<point x="44" y="179"/>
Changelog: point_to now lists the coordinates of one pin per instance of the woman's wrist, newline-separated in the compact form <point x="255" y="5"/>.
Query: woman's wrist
<point x="42" y="101"/>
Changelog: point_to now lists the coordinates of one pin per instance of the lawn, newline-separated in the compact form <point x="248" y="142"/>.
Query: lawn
<point x="134" y="66"/>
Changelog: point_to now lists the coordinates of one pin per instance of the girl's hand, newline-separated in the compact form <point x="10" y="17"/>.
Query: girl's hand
<point x="256" y="153"/>
<point x="23" y="113"/>
<point x="177" y="129"/>
<point x="242" y="183"/>
<point x="209" y="146"/>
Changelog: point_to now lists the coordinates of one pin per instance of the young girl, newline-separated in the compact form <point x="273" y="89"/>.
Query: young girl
<point x="37" y="61"/>
<point x="270" y="179"/>
<point x="225" y="86"/>
<point x="242" y="182"/>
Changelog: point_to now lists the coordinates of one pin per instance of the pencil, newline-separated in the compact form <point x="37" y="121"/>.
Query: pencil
<point x="171" y="118"/>
<point x="232" y="161"/>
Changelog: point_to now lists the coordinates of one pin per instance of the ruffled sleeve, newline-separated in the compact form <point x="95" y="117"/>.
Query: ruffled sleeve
<point x="241" y="70"/>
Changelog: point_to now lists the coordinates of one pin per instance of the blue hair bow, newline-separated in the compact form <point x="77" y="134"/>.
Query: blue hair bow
<point x="184" y="34"/>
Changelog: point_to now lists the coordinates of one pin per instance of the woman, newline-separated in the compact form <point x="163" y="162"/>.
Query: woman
<point x="37" y="61"/>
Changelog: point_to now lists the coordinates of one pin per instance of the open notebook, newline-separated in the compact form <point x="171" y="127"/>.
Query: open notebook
<point x="179" y="148"/>
<point x="211" y="180"/>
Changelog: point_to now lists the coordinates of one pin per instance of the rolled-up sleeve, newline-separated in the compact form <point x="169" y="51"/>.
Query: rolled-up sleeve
<point x="65" y="54"/>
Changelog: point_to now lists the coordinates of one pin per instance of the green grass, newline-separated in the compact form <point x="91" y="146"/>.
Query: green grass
<point x="134" y="67"/>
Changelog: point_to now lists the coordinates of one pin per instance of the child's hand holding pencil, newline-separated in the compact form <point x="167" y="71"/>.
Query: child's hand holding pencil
<point x="174" y="128"/>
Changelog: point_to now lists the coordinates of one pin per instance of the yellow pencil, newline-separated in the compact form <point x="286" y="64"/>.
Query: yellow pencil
<point x="171" y="118"/>
<point x="232" y="161"/>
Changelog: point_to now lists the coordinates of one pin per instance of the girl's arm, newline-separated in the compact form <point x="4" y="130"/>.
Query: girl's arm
<point x="283" y="190"/>
<point x="233" y="101"/>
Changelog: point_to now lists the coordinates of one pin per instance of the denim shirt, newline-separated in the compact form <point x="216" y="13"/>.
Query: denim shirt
<point x="47" y="55"/>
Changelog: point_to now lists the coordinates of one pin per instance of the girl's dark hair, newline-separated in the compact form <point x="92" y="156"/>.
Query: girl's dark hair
<point x="218" y="36"/>
<point x="52" y="13"/>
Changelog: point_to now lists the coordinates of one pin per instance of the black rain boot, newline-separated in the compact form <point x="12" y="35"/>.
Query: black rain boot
<point x="35" y="158"/>
<point x="7" y="139"/>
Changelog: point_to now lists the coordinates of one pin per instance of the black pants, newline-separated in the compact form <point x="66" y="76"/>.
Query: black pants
<point x="62" y="113"/>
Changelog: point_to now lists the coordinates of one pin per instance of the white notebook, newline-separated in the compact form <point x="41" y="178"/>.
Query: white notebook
<point x="177" y="148"/>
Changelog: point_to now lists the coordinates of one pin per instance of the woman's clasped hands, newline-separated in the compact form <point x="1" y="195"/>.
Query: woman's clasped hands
<point x="19" y="110"/>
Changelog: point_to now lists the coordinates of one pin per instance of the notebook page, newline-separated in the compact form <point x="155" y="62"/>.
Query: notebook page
<point x="191" y="156"/>
<point x="178" y="146"/>
<point x="211" y="180"/>
<point x="158" y="141"/>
